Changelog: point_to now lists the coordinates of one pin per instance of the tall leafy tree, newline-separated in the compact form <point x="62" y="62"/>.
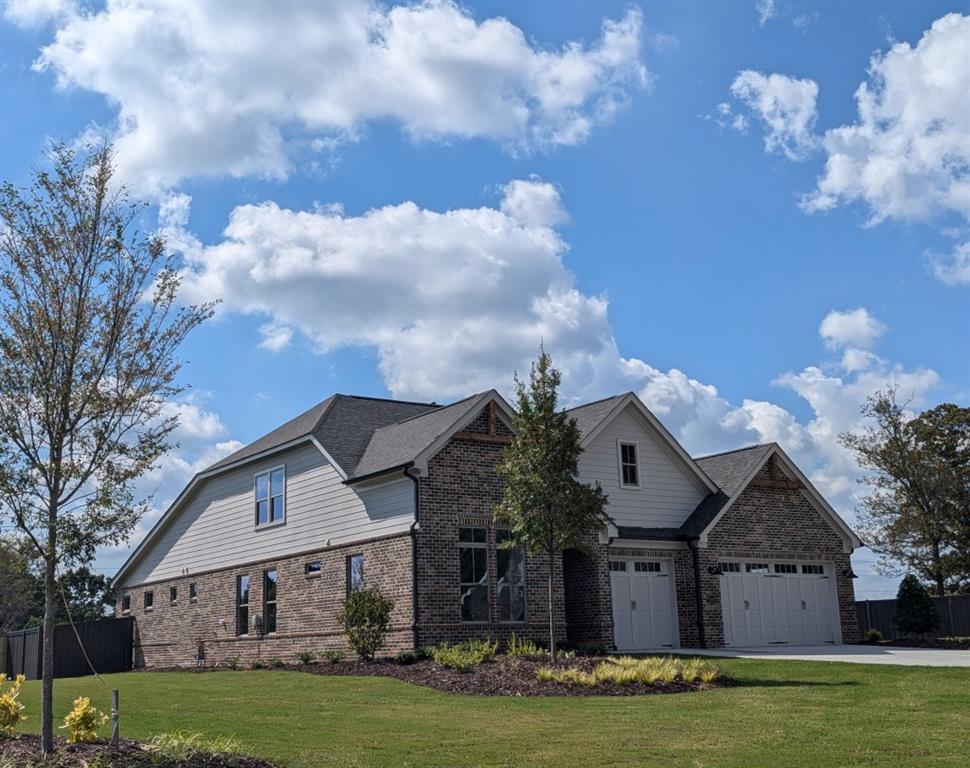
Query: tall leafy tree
<point x="917" y="511"/>
<point x="546" y="508"/>
<point x="89" y="328"/>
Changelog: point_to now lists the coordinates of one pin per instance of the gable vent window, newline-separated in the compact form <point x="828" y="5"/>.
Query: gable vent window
<point x="629" y="466"/>
<point x="473" y="570"/>
<point x="242" y="605"/>
<point x="271" y="497"/>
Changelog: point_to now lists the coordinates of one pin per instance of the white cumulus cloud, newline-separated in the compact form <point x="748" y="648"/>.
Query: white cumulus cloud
<point x="952" y="268"/>
<point x="852" y="328"/>
<point x="208" y="88"/>
<point x="784" y="105"/>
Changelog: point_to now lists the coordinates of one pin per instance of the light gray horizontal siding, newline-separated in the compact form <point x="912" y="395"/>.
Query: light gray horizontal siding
<point x="668" y="492"/>
<point x="215" y="528"/>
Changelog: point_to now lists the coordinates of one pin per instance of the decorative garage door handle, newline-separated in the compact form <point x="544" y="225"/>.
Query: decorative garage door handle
<point x="746" y="605"/>
<point x="803" y="605"/>
<point x="633" y="605"/>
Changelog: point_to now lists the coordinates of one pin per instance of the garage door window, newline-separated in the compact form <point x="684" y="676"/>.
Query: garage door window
<point x="813" y="569"/>
<point x="756" y="567"/>
<point x="641" y="567"/>
<point x="786" y="568"/>
<point x="617" y="565"/>
<point x="730" y="567"/>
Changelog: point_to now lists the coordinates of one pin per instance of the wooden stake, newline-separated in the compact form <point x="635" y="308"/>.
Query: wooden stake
<point x="115" y="716"/>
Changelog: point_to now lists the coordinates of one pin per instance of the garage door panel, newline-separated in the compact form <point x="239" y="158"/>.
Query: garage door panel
<point x="644" y="614"/>
<point x="783" y="605"/>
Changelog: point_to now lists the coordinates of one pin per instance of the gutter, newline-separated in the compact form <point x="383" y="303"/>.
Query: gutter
<point x="360" y="478"/>
<point x="415" y="526"/>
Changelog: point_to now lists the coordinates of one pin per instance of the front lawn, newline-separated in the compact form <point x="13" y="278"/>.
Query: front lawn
<point x="783" y="713"/>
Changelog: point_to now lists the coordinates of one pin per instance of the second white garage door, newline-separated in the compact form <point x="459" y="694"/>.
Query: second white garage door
<point x="768" y="603"/>
<point x="644" y="605"/>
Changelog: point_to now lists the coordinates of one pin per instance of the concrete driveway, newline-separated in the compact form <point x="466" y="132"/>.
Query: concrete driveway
<point x="855" y="654"/>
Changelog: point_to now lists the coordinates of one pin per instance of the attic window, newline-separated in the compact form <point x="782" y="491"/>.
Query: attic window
<point x="629" y="465"/>
<point x="271" y="497"/>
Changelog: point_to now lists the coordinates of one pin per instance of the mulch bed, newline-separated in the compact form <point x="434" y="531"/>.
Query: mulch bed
<point x="24" y="750"/>
<point x="502" y="676"/>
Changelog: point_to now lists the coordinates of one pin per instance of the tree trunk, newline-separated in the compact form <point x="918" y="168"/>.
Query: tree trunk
<point x="47" y="674"/>
<point x="552" y="617"/>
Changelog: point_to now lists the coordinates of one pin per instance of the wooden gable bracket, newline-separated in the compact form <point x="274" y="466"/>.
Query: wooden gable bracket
<point x="492" y="436"/>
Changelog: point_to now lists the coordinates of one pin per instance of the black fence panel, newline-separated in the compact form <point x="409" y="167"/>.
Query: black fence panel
<point x="108" y="644"/>
<point x="953" y="610"/>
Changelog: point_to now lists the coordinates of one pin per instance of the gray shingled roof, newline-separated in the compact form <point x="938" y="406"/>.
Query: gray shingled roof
<point x="396" y="444"/>
<point x="342" y="424"/>
<point x="589" y="416"/>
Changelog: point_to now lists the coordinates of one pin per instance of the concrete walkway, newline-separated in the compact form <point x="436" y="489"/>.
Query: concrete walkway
<point x="855" y="654"/>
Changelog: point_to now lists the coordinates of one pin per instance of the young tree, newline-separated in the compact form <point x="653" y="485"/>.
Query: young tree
<point x="918" y="509"/>
<point x="545" y="506"/>
<point x="89" y="327"/>
<point x="915" y="612"/>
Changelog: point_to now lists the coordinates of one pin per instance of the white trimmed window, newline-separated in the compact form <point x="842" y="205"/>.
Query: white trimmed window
<point x="629" y="465"/>
<point x="271" y="497"/>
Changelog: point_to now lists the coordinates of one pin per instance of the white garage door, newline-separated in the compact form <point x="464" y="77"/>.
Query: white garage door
<point x="766" y="603"/>
<point x="644" y="607"/>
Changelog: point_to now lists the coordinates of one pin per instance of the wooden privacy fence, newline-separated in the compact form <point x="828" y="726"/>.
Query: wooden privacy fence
<point x="108" y="643"/>
<point x="954" y="612"/>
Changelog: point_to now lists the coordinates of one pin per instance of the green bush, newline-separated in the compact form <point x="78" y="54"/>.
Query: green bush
<point x="232" y="662"/>
<point x="915" y="612"/>
<point x="466" y="655"/>
<point x="258" y="664"/>
<point x="366" y="616"/>
<point x="523" y="647"/>
<point x="626" y="670"/>
<point x="333" y="656"/>
<point x="277" y="663"/>
<point x="873" y="635"/>
<point x="410" y="657"/>
<point x="305" y="657"/>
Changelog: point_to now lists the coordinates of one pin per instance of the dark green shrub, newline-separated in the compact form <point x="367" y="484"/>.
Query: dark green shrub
<point x="276" y="663"/>
<point x="305" y="657"/>
<point x="366" y="616"/>
<point x="232" y="662"/>
<point x="258" y="664"/>
<point x="406" y="657"/>
<point x="873" y="635"/>
<point x="915" y="612"/>
<point x="333" y="656"/>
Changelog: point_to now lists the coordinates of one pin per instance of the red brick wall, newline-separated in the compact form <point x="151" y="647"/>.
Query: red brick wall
<point x="461" y="489"/>
<point x="307" y="607"/>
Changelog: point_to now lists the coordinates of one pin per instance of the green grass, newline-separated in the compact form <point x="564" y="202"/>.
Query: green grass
<point x="783" y="714"/>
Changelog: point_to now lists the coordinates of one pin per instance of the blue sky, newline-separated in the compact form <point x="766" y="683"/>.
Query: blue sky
<point x="651" y="197"/>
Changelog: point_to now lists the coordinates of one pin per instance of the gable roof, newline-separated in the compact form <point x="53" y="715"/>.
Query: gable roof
<point x="593" y="417"/>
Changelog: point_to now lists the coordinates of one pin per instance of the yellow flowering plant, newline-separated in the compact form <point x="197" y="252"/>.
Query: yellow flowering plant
<point x="83" y="721"/>
<point x="11" y="710"/>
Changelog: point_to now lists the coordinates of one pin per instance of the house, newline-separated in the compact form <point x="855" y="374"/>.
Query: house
<point x="259" y="550"/>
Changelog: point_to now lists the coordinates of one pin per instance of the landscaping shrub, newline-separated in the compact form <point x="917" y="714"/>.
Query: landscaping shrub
<point x="407" y="657"/>
<point x="466" y="655"/>
<point x="11" y="710"/>
<point x="915" y="612"/>
<point x="873" y="635"/>
<point x="305" y="657"/>
<point x="232" y="662"/>
<point x="334" y="657"/>
<point x="258" y="664"/>
<point x="627" y="670"/>
<point x="523" y="647"/>
<point x="277" y="663"/>
<point x="83" y="721"/>
<point x="180" y="747"/>
<point x="366" y="616"/>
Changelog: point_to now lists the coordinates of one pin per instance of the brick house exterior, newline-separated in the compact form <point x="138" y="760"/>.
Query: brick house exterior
<point x="425" y="480"/>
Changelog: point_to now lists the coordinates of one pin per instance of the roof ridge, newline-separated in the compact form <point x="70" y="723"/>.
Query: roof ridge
<point x="595" y="402"/>
<point x="388" y="400"/>
<point x="733" y="450"/>
<point x="437" y="408"/>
